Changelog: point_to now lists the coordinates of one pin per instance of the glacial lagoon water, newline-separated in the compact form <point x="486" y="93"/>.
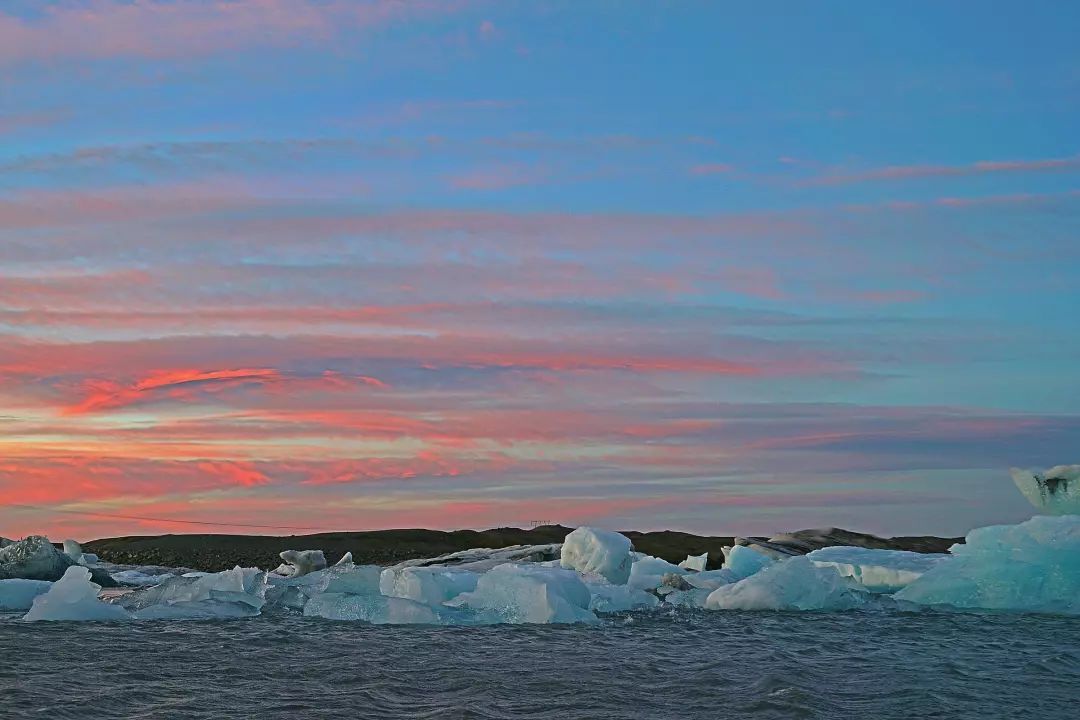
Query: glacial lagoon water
<point x="865" y="664"/>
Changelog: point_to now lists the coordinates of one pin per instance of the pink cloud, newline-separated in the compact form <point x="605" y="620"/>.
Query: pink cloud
<point x="93" y="29"/>
<point x="910" y="172"/>
<point x="711" y="169"/>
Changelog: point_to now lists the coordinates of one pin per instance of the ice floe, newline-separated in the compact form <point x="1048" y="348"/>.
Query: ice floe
<point x="528" y="594"/>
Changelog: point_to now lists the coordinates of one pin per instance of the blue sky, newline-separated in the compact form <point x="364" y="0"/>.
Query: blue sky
<point x="640" y="264"/>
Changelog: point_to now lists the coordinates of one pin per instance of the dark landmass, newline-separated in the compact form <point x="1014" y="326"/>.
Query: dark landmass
<point x="387" y="547"/>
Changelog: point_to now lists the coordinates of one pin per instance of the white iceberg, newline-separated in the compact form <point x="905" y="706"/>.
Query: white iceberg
<point x="1055" y="491"/>
<point x="880" y="571"/>
<point x="1030" y="567"/>
<point x="601" y="552"/>
<point x="427" y="585"/>
<point x="742" y="561"/>
<point x="793" y="584"/>
<point x="480" y="560"/>
<point x="647" y="572"/>
<point x="695" y="562"/>
<point x="19" y="594"/>
<point x="301" y="562"/>
<point x="528" y="594"/>
<point x="74" y="597"/>
<point x="346" y="559"/>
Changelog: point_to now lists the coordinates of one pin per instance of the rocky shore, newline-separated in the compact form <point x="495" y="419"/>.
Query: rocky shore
<point x="387" y="547"/>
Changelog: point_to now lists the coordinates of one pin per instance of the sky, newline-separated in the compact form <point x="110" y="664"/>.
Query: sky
<point x="283" y="266"/>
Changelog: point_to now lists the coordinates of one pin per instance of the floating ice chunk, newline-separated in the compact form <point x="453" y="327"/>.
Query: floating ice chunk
<point x="428" y="585"/>
<point x="140" y="579"/>
<point x="1055" y="492"/>
<point x="19" y="594"/>
<point x="619" y="598"/>
<point x="74" y="597"/>
<point x="302" y="562"/>
<point x="711" y="579"/>
<point x="73" y="550"/>
<point x="528" y="594"/>
<point x="481" y="560"/>
<point x="743" y="561"/>
<point x="648" y="572"/>
<point x="793" y="584"/>
<point x="881" y="571"/>
<point x="602" y="552"/>
<point x="695" y="562"/>
<point x="245" y="588"/>
<point x="33" y="558"/>
<point x="376" y="609"/>
<point x="1030" y="567"/>
<point x="692" y="598"/>
<point x="346" y="559"/>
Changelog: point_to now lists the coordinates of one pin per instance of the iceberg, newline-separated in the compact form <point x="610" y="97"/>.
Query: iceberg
<point x="74" y="597"/>
<point x="301" y="562"/>
<point x="742" y="561"/>
<point x="695" y="562"/>
<point x="33" y="558"/>
<point x="1030" y="567"/>
<point x="647" y="572"/>
<point x="793" y="584"/>
<point x="1055" y="491"/>
<point x="528" y="594"/>
<point x="240" y="592"/>
<point x="138" y="578"/>
<point x="19" y="594"/>
<point x="879" y="571"/>
<point x="601" y="552"/>
<point x="481" y="560"/>
<point x="427" y="585"/>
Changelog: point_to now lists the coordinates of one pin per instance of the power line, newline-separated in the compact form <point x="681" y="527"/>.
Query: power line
<point x="153" y="519"/>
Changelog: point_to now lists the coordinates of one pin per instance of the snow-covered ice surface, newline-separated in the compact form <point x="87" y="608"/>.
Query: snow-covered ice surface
<point x="882" y="571"/>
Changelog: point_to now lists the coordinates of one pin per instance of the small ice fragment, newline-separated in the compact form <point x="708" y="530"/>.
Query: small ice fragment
<point x="302" y="562"/>
<point x="695" y="562"/>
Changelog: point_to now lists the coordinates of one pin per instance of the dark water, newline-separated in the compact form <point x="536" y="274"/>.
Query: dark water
<point x="692" y="665"/>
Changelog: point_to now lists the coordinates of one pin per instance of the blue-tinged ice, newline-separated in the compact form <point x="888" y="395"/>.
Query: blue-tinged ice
<point x="793" y="584"/>
<point x="74" y="597"/>
<point x="742" y="561"/>
<point x="607" y="598"/>
<point x="428" y="585"/>
<point x="599" y="552"/>
<point x="528" y="594"/>
<point x="879" y="571"/>
<point x="375" y="609"/>
<point x="1030" y="567"/>
<point x="19" y="594"/>
<point x="240" y="592"/>
<point x="647" y="572"/>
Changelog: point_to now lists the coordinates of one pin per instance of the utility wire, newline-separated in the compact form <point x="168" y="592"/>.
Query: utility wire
<point x="39" y="508"/>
